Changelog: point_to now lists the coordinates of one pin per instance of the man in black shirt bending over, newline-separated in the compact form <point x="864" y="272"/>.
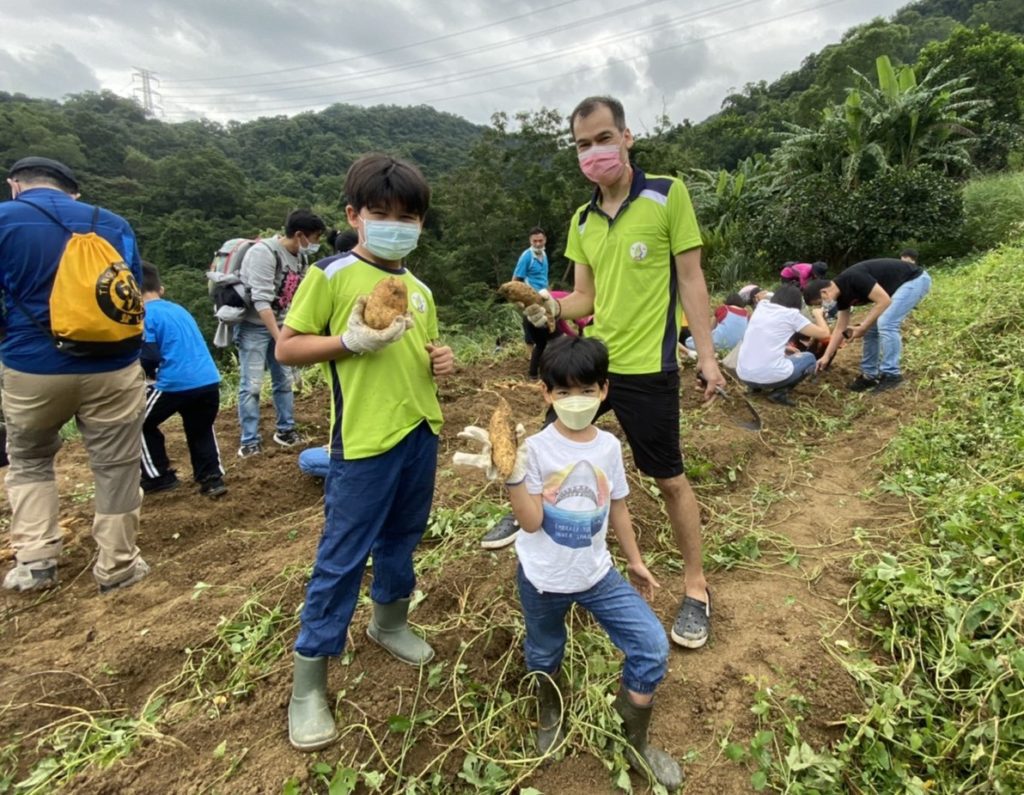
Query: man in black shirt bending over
<point x="893" y="287"/>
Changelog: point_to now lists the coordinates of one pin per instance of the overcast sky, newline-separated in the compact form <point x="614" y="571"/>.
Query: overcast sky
<point x="229" y="59"/>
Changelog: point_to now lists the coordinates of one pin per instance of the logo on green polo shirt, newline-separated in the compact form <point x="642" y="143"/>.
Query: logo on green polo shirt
<point x="638" y="251"/>
<point x="419" y="302"/>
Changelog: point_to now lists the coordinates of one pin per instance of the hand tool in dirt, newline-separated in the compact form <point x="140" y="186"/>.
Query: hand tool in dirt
<point x="753" y="424"/>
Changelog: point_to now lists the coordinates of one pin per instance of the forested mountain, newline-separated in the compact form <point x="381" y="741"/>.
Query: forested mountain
<point x="866" y="146"/>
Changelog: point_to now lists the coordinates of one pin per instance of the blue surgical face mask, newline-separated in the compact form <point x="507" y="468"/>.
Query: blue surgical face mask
<point x="390" y="240"/>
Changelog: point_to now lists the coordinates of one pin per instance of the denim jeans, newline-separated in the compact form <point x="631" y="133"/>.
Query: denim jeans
<point x="379" y="506"/>
<point x="803" y="365"/>
<point x="621" y="612"/>
<point x="255" y="357"/>
<point x="883" y="345"/>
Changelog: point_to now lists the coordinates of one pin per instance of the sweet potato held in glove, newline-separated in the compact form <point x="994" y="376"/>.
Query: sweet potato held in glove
<point x="522" y="293"/>
<point x="388" y="300"/>
<point x="503" y="439"/>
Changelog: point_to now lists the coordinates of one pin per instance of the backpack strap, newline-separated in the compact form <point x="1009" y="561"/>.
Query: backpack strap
<point x="54" y="218"/>
<point x="17" y="301"/>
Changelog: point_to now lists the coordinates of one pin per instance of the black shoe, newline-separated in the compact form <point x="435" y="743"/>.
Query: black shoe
<point x="862" y="383"/>
<point x="213" y="487"/>
<point x="249" y="450"/>
<point x="781" y="396"/>
<point x="502" y="534"/>
<point x="888" y="381"/>
<point x="166" y="482"/>
<point x="288" y="438"/>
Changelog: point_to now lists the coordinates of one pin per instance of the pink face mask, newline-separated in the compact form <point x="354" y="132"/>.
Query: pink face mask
<point x="602" y="164"/>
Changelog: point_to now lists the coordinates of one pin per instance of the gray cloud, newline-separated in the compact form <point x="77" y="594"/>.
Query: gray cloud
<point x="671" y="68"/>
<point x="403" y="52"/>
<point x="50" y="71"/>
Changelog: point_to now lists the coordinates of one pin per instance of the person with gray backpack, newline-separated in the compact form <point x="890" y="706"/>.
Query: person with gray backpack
<point x="269" y="274"/>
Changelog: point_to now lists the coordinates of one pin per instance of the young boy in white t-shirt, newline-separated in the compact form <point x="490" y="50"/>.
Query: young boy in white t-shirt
<point x="568" y="486"/>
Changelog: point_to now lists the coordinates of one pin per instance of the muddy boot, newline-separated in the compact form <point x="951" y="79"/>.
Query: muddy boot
<point x="549" y="713"/>
<point x="635" y="722"/>
<point x="389" y="627"/>
<point x="310" y="718"/>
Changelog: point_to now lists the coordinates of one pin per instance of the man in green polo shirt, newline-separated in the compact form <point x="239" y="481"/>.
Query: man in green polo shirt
<point x="636" y="248"/>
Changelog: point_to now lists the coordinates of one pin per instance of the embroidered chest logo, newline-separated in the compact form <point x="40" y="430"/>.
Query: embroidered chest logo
<point x="419" y="302"/>
<point x="638" y="251"/>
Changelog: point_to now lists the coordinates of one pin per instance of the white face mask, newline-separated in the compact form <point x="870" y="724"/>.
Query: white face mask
<point x="309" y="248"/>
<point x="576" y="411"/>
<point x="538" y="250"/>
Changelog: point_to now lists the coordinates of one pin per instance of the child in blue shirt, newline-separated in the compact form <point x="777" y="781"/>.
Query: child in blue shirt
<point x="187" y="383"/>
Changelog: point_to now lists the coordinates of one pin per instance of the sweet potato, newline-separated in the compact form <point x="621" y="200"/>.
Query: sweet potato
<point x="522" y="293"/>
<point x="503" y="439"/>
<point x="388" y="300"/>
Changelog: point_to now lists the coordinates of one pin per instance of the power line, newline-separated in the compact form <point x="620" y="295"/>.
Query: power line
<point x="606" y="64"/>
<point x="378" y="52"/>
<point x="381" y="70"/>
<point x="496" y="69"/>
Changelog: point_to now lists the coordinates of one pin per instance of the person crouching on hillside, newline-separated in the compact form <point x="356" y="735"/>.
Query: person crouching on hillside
<point x="763" y="362"/>
<point x="567" y="488"/>
<point x="728" y="327"/>
<point x="384" y="428"/>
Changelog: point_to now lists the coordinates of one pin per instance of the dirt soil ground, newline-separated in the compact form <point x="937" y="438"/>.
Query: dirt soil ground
<point x="804" y="487"/>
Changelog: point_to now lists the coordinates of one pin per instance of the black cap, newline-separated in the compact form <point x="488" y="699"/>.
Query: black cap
<point x="55" y="167"/>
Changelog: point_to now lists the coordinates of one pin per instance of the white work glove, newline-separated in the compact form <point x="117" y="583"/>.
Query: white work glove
<point x="360" y="338"/>
<point x="482" y="460"/>
<point x="543" y="314"/>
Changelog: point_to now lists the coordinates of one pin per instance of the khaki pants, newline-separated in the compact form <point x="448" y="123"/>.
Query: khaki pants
<point x="108" y="409"/>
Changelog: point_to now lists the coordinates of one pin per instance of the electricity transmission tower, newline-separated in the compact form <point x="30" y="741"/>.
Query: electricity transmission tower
<point x="145" y="92"/>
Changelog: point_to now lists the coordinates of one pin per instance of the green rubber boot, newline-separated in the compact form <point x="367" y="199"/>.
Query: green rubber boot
<point x="389" y="628"/>
<point x="636" y="720"/>
<point x="549" y="713"/>
<point x="310" y="719"/>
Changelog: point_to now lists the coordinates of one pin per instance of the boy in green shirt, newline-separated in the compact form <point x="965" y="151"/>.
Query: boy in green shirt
<point x="385" y="420"/>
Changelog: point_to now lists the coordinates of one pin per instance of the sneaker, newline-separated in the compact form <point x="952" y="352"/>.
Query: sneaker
<point x="288" y="438"/>
<point x="140" y="571"/>
<point x="502" y="534"/>
<point x="693" y="623"/>
<point x="888" y="381"/>
<point x="251" y="449"/>
<point x="33" y="576"/>
<point x="213" y="487"/>
<point x="165" y="482"/>
<point x="863" y="383"/>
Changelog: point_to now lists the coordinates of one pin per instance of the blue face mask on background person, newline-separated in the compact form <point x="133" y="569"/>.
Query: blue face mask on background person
<point x="390" y="240"/>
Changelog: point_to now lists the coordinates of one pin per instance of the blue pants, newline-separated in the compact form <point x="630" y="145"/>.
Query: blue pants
<point x="883" y="344"/>
<point x="255" y="357"/>
<point x="315" y="461"/>
<point x="803" y="365"/>
<point x="621" y="612"/>
<point x="375" y="505"/>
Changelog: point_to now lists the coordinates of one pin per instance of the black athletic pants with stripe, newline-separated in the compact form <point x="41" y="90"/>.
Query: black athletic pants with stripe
<point x="198" y="409"/>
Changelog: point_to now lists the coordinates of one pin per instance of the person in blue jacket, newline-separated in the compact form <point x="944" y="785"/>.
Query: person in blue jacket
<point x="44" y="386"/>
<point x="187" y="383"/>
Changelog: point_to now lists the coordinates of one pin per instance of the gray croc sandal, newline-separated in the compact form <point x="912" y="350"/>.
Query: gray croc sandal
<point x="693" y="623"/>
